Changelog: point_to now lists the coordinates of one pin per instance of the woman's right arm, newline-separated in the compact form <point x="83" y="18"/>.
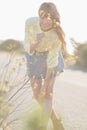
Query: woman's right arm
<point x="32" y="38"/>
<point x="37" y="42"/>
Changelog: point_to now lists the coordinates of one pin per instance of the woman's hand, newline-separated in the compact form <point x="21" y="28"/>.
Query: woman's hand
<point x="38" y="41"/>
<point x="40" y="37"/>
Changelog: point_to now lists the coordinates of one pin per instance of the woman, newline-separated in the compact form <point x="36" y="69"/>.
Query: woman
<point x="44" y="39"/>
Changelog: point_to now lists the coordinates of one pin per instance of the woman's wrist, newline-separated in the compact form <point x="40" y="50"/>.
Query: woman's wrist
<point x="33" y="47"/>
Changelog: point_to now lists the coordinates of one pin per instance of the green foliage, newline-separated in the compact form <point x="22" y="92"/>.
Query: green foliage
<point x="4" y="109"/>
<point x="36" y="120"/>
<point x="80" y="52"/>
<point x="11" y="64"/>
<point x="12" y="45"/>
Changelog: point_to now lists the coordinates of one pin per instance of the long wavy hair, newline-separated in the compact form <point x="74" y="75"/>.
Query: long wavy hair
<point x="50" y="8"/>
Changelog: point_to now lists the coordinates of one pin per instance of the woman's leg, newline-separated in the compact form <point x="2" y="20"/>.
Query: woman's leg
<point x="40" y="94"/>
<point x="37" y="88"/>
<point x="48" y="106"/>
<point x="49" y="96"/>
<point x="36" y="84"/>
<point x="56" y="122"/>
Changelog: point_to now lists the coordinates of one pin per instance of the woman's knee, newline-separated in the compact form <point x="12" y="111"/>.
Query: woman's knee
<point x="49" y="95"/>
<point x="36" y="85"/>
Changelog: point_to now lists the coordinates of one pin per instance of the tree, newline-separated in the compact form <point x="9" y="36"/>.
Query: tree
<point x="80" y="51"/>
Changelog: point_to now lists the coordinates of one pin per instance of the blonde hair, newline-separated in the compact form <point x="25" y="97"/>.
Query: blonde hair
<point x="48" y="9"/>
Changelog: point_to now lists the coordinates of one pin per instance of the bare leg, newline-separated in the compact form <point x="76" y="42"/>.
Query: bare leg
<point x="48" y="105"/>
<point x="56" y="122"/>
<point x="49" y="96"/>
<point x="36" y="84"/>
<point x="47" y="99"/>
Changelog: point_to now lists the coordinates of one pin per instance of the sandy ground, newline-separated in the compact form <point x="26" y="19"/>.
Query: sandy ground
<point x="70" y="100"/>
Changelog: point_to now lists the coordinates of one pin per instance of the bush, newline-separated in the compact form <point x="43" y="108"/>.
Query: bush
<point x="35" y="120"/>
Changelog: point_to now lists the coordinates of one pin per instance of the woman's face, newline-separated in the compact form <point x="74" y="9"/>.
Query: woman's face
<point x="46" y="23"/>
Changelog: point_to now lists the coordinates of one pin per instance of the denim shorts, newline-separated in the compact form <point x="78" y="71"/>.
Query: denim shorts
<point x="37" y="64"/>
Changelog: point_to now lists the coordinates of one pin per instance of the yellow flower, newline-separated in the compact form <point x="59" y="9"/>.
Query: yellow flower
<point x="35" y="85"/>
<point x="30" y="62"/>
<point x="51" y="94"/>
